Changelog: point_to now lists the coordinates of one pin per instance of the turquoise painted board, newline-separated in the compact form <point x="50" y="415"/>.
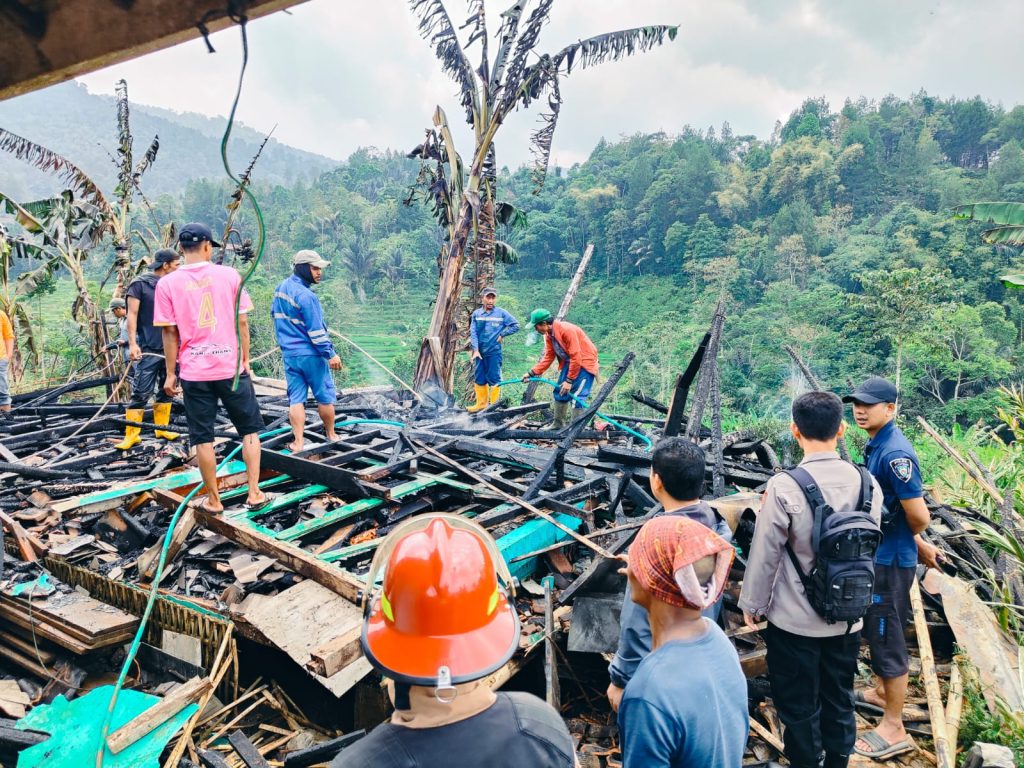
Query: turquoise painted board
<point x="74" y="728"/>
<point x="531" y="536"/>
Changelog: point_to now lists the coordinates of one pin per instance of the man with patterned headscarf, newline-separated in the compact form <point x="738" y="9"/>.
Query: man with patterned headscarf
<point x="677" y="568"/>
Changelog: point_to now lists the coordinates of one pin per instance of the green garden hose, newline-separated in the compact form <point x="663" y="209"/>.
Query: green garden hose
<point x="244" y="189"/>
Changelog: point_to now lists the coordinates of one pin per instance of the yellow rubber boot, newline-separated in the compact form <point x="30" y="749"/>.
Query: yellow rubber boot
<point x="495" y="394"/>
<point x="481" y="398"/>
<point x="131" y="434"/>
<point x="162" y="417"/>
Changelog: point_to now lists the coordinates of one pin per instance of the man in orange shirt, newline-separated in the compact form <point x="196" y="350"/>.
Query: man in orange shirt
<point x="577" y="362"/>
<point x="6" y="355"/>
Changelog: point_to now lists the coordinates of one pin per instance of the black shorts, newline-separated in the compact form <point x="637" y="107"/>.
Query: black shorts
<point x="886" y="619"/>
<point x="201" y="398"/>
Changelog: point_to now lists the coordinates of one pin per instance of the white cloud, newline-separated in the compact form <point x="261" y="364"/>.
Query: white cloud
<point x="334" y="76"/>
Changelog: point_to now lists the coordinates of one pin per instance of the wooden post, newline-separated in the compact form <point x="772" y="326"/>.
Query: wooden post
<point x="815" y="384"/>
<point x="563" y="310"/>
<point x="718" y="471"/>
<point x="700" y="399"/>
<point x="677" y="408"/>
<point x="550" y="662"/>
<point x="936" y="713"/>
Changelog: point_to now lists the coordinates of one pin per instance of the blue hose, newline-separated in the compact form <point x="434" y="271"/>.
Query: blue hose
<point x="610" y="420"/>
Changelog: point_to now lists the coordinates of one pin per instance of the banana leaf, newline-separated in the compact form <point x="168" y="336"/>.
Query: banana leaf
<point x="1012" y="281"/>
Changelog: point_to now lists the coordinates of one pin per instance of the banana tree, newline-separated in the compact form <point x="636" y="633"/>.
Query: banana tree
<point x="1007" y="220"/>
<point x="515" y="78"/>
<point x="114" y="216"/>
<point x="60" y="232"/>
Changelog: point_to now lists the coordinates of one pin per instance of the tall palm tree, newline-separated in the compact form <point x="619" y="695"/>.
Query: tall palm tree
<point x="361" y="263"/>
<point x="516" y="77"/>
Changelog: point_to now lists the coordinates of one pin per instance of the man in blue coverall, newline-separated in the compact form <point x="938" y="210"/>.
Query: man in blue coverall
<point x="488" y="326"/>
<point x="309" y="356"/>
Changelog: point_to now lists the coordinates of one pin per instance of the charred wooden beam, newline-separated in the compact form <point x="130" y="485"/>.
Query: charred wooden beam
<point x="677" y="408"/>
<point x="558" y="456"/>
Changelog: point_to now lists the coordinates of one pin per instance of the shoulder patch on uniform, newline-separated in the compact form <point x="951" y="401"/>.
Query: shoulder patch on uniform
<point x="903" y="468"/>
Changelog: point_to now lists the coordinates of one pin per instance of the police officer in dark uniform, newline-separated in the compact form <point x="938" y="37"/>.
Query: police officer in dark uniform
<point x="891" y="459"/>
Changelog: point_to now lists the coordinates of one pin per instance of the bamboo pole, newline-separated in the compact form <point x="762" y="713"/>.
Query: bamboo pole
<point x="954" y="706"/>
<point x="944" y="753"/>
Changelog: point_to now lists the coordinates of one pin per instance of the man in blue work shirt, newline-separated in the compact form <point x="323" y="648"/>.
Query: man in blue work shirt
<point x="488" y="327"/>
<point x="309" y="356"/>
<point x="891" y="459"/>
<point x="678" y="467"/>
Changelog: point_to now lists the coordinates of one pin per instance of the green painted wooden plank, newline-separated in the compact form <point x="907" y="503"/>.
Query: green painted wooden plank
<point x="74" y="728"/>
<point x="234" y="493"/>
<point x="176" y="480"/>
<point x="327" y="518"/>
<point x="349" y="551"/>
<point x="531" y="536"/>
<point x="286" y="500"/>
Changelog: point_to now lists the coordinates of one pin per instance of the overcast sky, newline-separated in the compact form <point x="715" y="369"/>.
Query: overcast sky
<point x="335" y="75"/>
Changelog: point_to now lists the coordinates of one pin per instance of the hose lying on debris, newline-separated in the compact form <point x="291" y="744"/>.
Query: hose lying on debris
<point x="151" y="601"/>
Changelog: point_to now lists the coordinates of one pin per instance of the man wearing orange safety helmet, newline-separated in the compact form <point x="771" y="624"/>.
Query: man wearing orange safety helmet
<point x="441" y="622"/>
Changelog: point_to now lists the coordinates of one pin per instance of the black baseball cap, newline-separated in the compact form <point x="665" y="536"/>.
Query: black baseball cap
<point x="195" y="233"/>
<point x="165" y="256"/>
<point x="874" y="390"/>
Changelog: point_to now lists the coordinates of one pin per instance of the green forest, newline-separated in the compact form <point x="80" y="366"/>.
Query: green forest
<point x="834" y="235"/>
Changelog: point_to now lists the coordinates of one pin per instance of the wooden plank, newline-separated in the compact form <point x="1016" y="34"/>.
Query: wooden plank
<point x="331" y="658"/>
<point x="306" y="618"/>
<point x="300" y="561"/>
<point x="944" y="751"/>
<point x="247" y="751"/>
<point x="163" y="710"/>
<point x="149" y="559"/>
<point x="233" y="473"/>
<point x="681" y="391"/>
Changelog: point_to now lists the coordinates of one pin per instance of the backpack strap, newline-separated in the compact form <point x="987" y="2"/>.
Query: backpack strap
<point x="866" y="490"/>
<point x="813" y="495"/>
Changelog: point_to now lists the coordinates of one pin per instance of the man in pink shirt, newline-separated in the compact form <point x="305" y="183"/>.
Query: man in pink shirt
<point x="195" y="307"/>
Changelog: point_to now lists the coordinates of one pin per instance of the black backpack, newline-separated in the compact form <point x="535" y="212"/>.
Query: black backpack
<point x="840" y="583"/>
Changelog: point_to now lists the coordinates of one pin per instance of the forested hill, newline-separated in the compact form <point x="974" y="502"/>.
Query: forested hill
<point x="83" y="127"/>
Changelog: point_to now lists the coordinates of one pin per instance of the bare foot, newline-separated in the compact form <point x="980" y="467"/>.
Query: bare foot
<point x="872" y="696"/>
<point x="332" y="437"/>
<point x="295" y="447"/>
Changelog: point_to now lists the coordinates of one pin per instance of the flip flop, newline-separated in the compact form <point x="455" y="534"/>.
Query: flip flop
<point x="202" y="505"/>
<point x="267" y="498"/>
<point x="882" y="749"/>
<point x="864" y="705"/>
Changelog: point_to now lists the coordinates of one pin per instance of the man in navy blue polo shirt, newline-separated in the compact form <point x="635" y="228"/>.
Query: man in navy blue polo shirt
<point x="891" y="459"/>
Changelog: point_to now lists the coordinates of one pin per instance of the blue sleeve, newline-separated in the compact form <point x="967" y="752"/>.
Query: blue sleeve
<point x="511" y="325"/>
<point x="474" y="340"/>
<point x="904" y="474"/>
<point x="634" y="641"/>
<point x="313" y="317"/>
<point x="649" y="738"/>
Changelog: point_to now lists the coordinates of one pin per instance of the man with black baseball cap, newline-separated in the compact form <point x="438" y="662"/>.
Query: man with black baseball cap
<point x="146" y="350"/>
<point x="195" y="307"/>
<point x="309" y="356"/>
<point x="891" y="459"/>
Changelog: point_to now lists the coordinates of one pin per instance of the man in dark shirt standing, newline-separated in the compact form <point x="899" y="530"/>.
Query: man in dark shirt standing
<point x="677" y="482"/>
<point x="891" y="459"/>
<point x="440" y="623"/>
<point x="146" y="350"/>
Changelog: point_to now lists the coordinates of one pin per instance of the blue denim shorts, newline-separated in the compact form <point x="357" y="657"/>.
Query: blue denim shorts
<point x="309" y="373"/>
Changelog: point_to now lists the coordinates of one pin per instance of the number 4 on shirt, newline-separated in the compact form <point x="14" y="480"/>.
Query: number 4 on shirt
<point x="207" y="318"/>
